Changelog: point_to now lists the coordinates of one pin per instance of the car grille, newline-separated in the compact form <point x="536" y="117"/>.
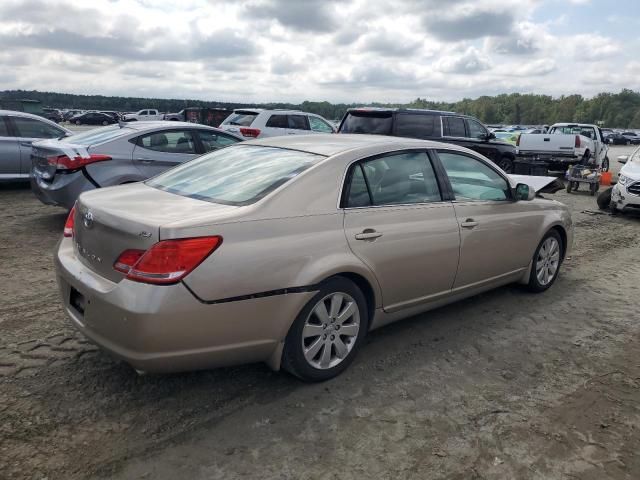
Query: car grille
<point x="634" y="188"/>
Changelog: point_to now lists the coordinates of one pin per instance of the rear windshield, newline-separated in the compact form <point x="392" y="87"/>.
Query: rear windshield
<point x="377" y="123"/>
<point x="244" y="119"/>
<point x="99" y="135"/>
<point x="237" y="175"/>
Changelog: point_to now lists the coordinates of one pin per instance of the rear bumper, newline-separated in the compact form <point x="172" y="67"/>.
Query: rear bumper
<point x="556" y="157"/>
<point x="165" y="328"/>
<point x="63" y="191"/>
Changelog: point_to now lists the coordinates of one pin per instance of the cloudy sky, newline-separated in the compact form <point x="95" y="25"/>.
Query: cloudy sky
<point x="336" y="50"/>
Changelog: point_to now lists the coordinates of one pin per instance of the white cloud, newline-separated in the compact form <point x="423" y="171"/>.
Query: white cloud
<point x="290" y="50"/>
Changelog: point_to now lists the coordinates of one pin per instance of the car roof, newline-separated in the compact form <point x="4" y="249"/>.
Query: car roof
<point x="333" y="144"/>
<point x="409" y="110"/>
<point x="271" y="110"/>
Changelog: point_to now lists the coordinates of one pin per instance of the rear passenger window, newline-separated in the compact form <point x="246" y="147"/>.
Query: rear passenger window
<point x="403" y="178"/>
<point x="414" y="125"/>
<point x="278" y="121"/>
<point x="177" y="141"/>
<point x="358" y="192"/>
<point x="453" y="127"/>
<point x="298" y="122"/>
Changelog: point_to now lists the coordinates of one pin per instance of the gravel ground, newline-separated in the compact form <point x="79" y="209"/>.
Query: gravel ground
<point x="503" y="385"/>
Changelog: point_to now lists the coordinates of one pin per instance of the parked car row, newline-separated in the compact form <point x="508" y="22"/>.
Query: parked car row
<point x="356" y="231"/>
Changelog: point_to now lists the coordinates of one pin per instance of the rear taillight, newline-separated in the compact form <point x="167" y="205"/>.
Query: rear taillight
<point x="68" y="225"/>
<point x="64" y="162"/>
<point x="250" y="132"/>
<point x="168" y="261"/>
<point x="577" y="141"/>
<point x="127" y="260"/>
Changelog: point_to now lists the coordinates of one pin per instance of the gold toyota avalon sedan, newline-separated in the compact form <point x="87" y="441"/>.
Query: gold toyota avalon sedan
<point x="288" y="250"/>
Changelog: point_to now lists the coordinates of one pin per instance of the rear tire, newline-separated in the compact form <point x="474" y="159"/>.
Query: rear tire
<point x="320" y="344"/>
<point x="605" y="164"/>
<point x="545" y="265"/>
<point x="506" y="164"/>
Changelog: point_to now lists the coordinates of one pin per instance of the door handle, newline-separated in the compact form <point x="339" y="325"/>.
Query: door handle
<point x="368" y="234"/>
<point x="26" y="144"/>
<point x="469" y="223"/>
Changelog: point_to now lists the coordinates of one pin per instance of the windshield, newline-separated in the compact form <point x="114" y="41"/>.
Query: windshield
<point x="244" y="119"/>
<point x="377" y="123"/>
<point x="99" y="135"/>
<point x="238" y="175"/>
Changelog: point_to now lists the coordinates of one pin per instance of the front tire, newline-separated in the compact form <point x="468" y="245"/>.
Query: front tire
<point x="605" y="164"/>
<point x="328" y="332"/>
<point x="546" y="262"/>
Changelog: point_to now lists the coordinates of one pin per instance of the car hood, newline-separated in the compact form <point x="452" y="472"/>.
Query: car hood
<point x="631" y="169"/>
<point x="539" y="184"/>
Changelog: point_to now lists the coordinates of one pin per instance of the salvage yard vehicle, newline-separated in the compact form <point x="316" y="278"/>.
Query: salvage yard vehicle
<point x="93" y="118"/>
<point x="289" y="250"/>
<point x="447" y="127"/>
<point x="625" y="195"/>
<point x="261" y="123"/>
<point x="18" y="130"/>
<point x="143" y="115"/>
<point x="62" y="169"/>
<point x="566" y="144"/>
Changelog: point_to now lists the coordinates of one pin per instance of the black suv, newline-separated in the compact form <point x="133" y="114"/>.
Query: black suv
<point x="445" y="127"/>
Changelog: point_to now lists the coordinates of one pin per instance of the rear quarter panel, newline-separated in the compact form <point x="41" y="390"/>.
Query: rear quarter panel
<point x="120" y="169"/>
<point x="265" y="255"/>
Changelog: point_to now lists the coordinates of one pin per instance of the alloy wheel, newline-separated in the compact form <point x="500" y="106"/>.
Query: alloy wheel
<point x="330" y="330"/>
<point x="548" y="261"/>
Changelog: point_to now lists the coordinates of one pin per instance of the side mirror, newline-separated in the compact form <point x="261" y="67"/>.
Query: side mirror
<point x="524" y="192"/>
<point x="623" y="158"/>
<point x="490" y="136"/>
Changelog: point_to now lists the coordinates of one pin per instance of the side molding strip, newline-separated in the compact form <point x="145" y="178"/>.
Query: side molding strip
<point x="270" y="293"/>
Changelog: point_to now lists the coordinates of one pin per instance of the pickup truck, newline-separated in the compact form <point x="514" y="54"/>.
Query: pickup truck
<point x="566" y="144"/>
<point x="175" y="117"/>
<point x="149" y="114"/>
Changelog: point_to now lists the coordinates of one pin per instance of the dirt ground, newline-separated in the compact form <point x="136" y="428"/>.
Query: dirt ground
<point x="503" y="385"/>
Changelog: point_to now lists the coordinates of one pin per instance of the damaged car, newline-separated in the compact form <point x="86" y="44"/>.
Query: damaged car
<point x="289" y="250"/>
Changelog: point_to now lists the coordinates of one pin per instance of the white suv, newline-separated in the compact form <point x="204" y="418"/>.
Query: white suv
<point x="260" y="123"/>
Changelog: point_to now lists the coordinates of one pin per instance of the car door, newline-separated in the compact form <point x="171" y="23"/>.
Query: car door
<point x="398" y="223"/>
<point x="298" y="125"/>
<point x="9" y="152"/>
<point x="29" y="130"/>
<point x="160" y="150"/>
<point x="497" y="234"/>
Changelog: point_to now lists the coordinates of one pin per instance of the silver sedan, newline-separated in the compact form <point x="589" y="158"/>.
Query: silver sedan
<point x="289" y="250"/>
<point x="62" y="169"/>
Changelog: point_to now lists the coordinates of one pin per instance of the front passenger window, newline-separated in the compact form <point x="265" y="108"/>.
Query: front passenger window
<point x="472" y="180"/>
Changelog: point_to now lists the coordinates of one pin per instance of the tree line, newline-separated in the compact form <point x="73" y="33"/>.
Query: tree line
<point x="616" y="110"/>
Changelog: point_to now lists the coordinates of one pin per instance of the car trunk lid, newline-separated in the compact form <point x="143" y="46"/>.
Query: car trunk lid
<point x="111" y="220"/>
<point x="44" y="153"/>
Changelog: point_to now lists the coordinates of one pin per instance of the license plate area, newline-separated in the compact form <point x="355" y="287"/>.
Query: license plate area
<point x="77" y="301"/>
